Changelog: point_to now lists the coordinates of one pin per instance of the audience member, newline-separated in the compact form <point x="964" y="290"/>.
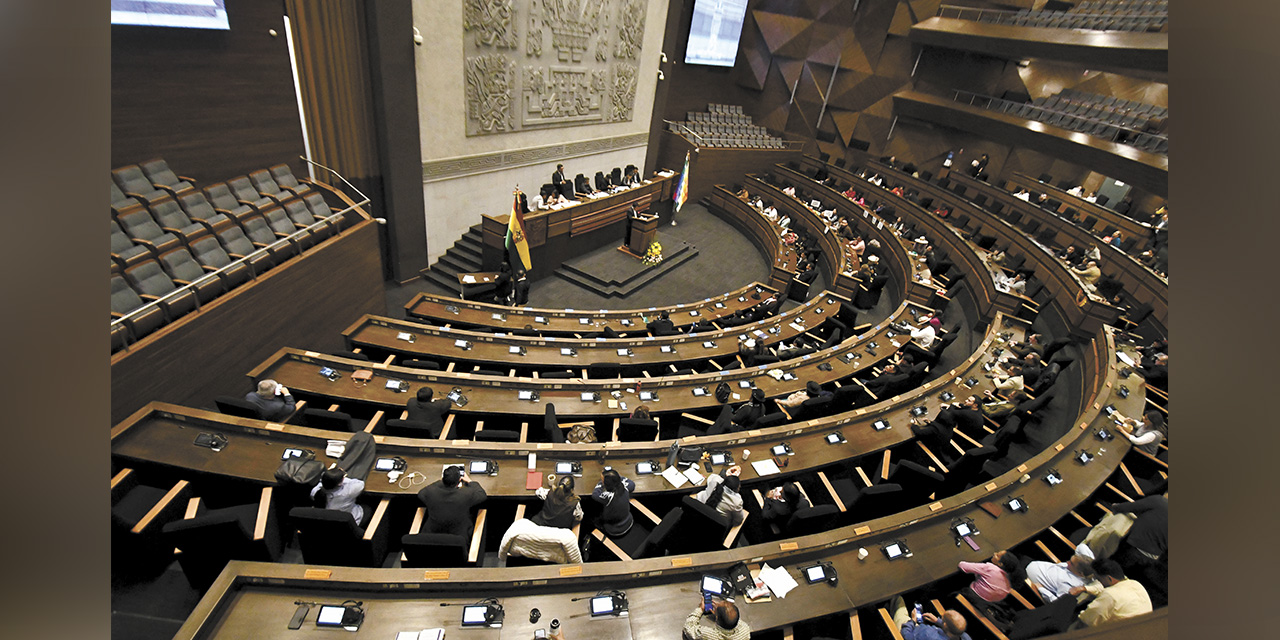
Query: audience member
<point x="726" y="623"/>
<point x="338" y="492"/>
<point x="614" y="493"/>
<point x="1120" y="598"/>
<point x="561" y="507"/>
<point x="424" y="409"/>
<point x="273" y="400"/>
<point x="449" y="502"/>
<point x="950" y="626"/>
<point x="721" y="494"/>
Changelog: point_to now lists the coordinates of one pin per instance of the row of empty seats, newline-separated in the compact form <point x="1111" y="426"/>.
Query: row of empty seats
<point x="178" y="247"/>
<point x="1129" y="129"/>
<point x="726" y="126"/>
<point x="1131" y="17"/>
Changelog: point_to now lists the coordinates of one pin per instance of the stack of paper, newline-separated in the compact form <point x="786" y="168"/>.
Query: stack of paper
<point x="692" y="474"/>
<point x="778" y="580"/>
<point x="674" y="476"/>
<point x="765" y="467"/>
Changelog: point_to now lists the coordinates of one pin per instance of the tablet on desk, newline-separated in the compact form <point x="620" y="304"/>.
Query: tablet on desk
<point x="880" y="425"/>
<point x="963" y="529"/>
<point x="712" y="585"/>
<point x="644" y="468"/>
<point x="719" y="458"/>
<point x="476" y="615"/>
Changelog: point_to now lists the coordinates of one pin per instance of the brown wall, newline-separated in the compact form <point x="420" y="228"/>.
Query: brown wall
<point x="214" y="104"/>
<point x="305" y="303"/>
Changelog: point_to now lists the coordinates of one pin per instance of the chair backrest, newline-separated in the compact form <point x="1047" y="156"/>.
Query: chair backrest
<point x="138" y="223"/>
<point x="119" y="241"/>
<point x="423" y="550"/>
<point x="149" y="279"/>
<point x="283" y="176"/>
<point x="637" y="430"/>
<point x="497" y="435"/>
<point x="655" y="543"/>
<point x="168" y="214"/>
<point x="411" y="429"/>
<point x="279" y="221"/>
<point x="771" y="420"/>
<point x="298" y="212"/>
<point x="264" y="183"/>
<point x="123" y="298"/>
<point x="551" y="425"/>
<point x="220" y="196"/>
<point x="329" y="537"/>
<point x="179" y="264"/>
<point x="132" y="180"/>
<point x="914" y="478"/>
<point x="209" y="252"/>
<point x="421" y="364"/>
<point x="234" y="240"/>
<point x="811" y="520"/>
<point x="876" y="501"/>
<point x="233" y="406"/>
<point x="319" y="208"/>
<point x="242" y="189"/>
<point x="707" y="522"/>
<point x="208" y="542"/>
<point x="197" y="206"/>
<point x="158" y="172"/>
<point x="257" y="230"/>
<point x="324" y="419"/>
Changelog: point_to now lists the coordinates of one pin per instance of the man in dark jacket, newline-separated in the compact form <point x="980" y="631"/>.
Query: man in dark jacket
<point x="449" y="502"/>
<point x="432" y="412"/>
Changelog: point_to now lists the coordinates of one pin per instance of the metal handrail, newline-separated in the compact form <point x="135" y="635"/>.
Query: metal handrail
<point x="991" y="102"/>
<point x="959" y="12"/>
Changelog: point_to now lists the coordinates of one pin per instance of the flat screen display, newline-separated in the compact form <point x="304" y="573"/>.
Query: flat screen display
<point x="815" y="574"/>
<point x="712" y="585"/>
<point x="714" y="31"/>
<point x="474" y="615"/>
<point x="601" y="605"/>
<point x="188" y="14"/>
<point x="330" y="616"/>
<point x="893" y="550"/>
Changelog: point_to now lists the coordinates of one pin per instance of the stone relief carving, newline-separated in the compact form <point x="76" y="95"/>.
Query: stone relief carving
<point x="624" y="92"/>
<point x="630" y="30"/>
<point x="491" y="21"/>
<point x="576" y="69"/>
<point x="489" y="79"/>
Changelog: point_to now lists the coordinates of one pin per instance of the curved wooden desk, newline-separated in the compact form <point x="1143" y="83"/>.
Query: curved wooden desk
<point x="1131" y="227"/>
<point x="443" y="310"/>
<point x="251" y="598"/>
<point x="382" y="335"/>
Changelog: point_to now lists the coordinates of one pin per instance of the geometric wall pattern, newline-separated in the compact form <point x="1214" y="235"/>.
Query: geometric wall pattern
<point x="550" y="63"/>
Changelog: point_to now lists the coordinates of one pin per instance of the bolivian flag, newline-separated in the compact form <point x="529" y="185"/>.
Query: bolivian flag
<point x="516" y="233"/>
<point x="682" y="187"/>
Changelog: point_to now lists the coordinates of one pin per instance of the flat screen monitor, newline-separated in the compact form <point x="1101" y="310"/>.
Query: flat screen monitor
<point x="187" y="14"/>
<point x="712" y="585"/>
<point x="475" y="615"/>
<point x="602" y="605"/>
<point x="714" y="32"/>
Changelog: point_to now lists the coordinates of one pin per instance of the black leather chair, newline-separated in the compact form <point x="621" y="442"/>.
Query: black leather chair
<point x="233" y="406"/>
<point x="917" y="481"/>
<point x="211" y="538"/>
<point x="637" y="430"/>
<point x="551" y="426"/>
<point x="869" y="503"/>
<point x="811" y="520"/>
<point x="642" y="542"/>
<point x="701" y="528"/>
<point x="496" y="435"/>
<point x="966" y="471"/>
<point x="328" y="420"/>
<point x="411" y="429"/>
<point x="431" y="550"/>
<point x="330" y="537"/>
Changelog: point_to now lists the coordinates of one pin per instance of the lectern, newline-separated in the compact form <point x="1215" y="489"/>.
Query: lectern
<point x="641" y="229"/>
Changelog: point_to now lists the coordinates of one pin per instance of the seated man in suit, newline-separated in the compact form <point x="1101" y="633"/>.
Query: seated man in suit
<point x="449" y="502"/>
<point x="632" y="176"/>
<point x="937" y="433"/>
<point x="425" y="409"/>
<point x="338" y="492"/>
<point x="582" y="186"/>
<point x="273" y="400"/>
<point x="662" y="326"/>
<point x="888" y="383"/>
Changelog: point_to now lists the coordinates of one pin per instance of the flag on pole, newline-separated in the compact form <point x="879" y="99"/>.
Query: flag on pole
<point x="682" y="187"/>
<point x="516" y="233"/>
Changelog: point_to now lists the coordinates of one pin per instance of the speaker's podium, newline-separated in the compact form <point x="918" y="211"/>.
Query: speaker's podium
<point x="641" y="230"/>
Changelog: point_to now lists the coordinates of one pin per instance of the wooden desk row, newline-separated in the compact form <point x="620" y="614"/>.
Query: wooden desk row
<point x="443" y="310"/>
<point x="1146" y="286"/>
<point x="1087" y="312"/>
<point x="162" y="434"/>
<point x="300" y="371"/>
<point x="763" y="234"/>
<point x="252" y="598"/>
<point x="390" y="335"/>
<point x="1131" y="228"/>
<point x="899" y="256"/>
<point x="968" y="259"/>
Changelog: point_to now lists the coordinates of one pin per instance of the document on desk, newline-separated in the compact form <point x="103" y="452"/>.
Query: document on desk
<point x="765" y="467"/>
<point x="778" y="580"/>
<point x="692" y="474"/>
<point x="674" y="476"/>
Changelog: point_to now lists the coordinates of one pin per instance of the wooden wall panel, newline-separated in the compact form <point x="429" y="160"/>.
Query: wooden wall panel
<point x="306" y="304"/>
<point x="214" y="104"/>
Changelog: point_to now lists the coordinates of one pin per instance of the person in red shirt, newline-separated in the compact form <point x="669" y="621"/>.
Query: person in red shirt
<point x="993" y="579"/>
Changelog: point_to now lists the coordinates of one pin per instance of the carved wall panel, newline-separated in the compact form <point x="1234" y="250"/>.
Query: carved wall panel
<point x="578" y="62"/>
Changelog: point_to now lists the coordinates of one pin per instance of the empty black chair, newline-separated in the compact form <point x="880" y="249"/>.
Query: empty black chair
<point x="328" y="420"/>
<point x="430" y="550"/>
<point x="412" y="429"/>
<point x="233" y="406"/>
<point x="966" y="471"/>
<point x="771" y="420"/>
<point x="867" y="503"/>
<point x="615" y="176"/>
<point x="604" y="370"/>
<point x="284" y="177"/>
<point x="496" y="435"/>
<point x="811" y="520"/>
<point x="350" y="355"/>
<point x="1102" y="200"/>
<point x="209" y="540"/>
<point x="134" y="184"/>
<point x="702" y="528"/>
<point x="330" y="537"/>
<point x="421" y="364"/>
<point x="637" y="430"/>
<point x="639" y="542"/>
<point x="917" y="481"/>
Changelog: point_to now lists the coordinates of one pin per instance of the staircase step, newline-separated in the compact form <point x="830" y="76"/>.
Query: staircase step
<point x="452" y="264"/>
<point x="447" y="282"/>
